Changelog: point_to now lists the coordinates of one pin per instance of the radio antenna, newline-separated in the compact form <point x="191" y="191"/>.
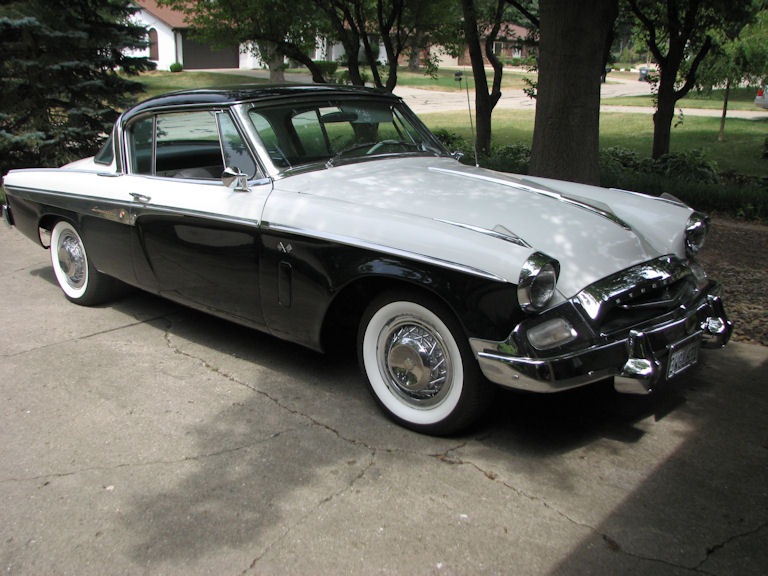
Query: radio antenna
<point x="459" y="76"/>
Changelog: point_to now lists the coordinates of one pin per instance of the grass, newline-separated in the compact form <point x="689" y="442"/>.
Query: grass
<point x="738" y="99"/>
<point x="446" y="81"/>
<point x="156" y="83"/>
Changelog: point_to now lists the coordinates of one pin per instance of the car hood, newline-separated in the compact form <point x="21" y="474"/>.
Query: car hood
<point x="491" y="220"/>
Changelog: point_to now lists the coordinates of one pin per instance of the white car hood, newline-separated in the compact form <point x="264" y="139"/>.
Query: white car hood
<point x="438" y="207"/>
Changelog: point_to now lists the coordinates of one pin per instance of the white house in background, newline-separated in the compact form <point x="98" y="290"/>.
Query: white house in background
<point x="170" y="41"/>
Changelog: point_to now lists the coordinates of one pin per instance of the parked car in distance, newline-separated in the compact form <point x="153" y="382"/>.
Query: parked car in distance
<point x="761" y="99"/>
<point x="298" y="209"/>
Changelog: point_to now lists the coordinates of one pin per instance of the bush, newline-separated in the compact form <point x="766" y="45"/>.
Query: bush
<point x="176" y="67"/>
<point x="509" y="158"/>
<point x="327" y="67"/>
<point x="689" y="177"/>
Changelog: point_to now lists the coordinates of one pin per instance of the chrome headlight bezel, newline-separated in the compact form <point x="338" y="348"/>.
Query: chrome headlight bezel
<point x="537" y="283"/>
<point x="696" y="230"/>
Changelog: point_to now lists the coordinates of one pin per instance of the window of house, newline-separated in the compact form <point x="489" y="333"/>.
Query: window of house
<point x="154" y="52"/>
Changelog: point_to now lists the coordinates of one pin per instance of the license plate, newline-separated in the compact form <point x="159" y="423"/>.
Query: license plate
<point x="682" y="356"/>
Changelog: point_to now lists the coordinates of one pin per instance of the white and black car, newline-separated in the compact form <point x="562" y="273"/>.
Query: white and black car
<point x="296" y="208"/>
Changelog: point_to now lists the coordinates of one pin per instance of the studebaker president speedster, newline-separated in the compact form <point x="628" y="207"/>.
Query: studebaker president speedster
<point x="295" y="209"/>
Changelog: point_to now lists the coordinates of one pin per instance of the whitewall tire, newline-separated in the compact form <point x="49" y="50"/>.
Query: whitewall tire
<point x="418" y="364"/>
<point x="76" y="275"/>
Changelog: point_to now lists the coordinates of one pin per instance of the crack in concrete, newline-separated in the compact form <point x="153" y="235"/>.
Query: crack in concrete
<point x="712" y="550"/>
<point x="610" y="542"/>
<point x="276" y="401"/>
<point x="289" y="529"/>
<point x="85" y="336"/>
<point x="192" y="458"/>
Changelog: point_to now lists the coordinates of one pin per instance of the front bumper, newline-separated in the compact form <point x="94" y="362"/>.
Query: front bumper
<point x="639" y="361"/>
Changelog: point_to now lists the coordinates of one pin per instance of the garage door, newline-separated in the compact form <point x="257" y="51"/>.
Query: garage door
<point x="197" y="55"/>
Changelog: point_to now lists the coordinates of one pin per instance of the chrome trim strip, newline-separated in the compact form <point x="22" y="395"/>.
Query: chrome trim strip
<point x="506" y="235"/>
<point x="124" y="212"/>
<point x="542" y="192"/>
<point x="357" y="243"/>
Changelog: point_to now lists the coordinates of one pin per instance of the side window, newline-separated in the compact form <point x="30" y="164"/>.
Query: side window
<point x="187" y="146"/>
<point x="234" y="150"/>
<point x="140" y="135"/>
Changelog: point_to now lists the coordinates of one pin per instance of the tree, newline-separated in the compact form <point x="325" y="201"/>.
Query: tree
<point x="738" y="55"/>
<point x="266" y="25"/>
<point x="60" y="90"/>
<point x="678" y="32"/>
<point x="574" y="40"/>
<point x="482" y="19"/>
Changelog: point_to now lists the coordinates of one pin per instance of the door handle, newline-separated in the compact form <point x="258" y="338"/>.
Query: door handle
<point x="140" y="197"/>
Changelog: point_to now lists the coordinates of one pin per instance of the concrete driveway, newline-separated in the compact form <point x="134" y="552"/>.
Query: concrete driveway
<point x="143" y="438"/>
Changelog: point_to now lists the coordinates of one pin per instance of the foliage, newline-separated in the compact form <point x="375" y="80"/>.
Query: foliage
<point x="688" y="176"/>
<point x="264" y="25"/>
<point x="679" y="35"/>
<point x="691" y="165"/>
<point x="327" y="67"/>
<point x="739" y="55"/>
<point x="176" y="67"/>
<point x="59" y="87"/>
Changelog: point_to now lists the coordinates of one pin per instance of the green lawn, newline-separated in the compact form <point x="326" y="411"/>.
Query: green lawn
<point x="739" y="99"/>
<point x="161" y="82"/>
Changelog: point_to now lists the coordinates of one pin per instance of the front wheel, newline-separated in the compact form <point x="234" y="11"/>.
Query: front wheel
<point x="76" y="275"/>
<point x="419" y="365"/>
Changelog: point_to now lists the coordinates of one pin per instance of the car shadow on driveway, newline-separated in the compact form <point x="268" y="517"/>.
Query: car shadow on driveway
<point x="304" y="430"/>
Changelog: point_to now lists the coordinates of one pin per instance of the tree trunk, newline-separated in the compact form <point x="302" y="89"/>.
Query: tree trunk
<point x="414" y="54"/>
<point x="571" y="62"/>
<point x="721" y="134"/>
<point x="276" y="63"/>
<point x="665" y="112"/>
<point x="484" y="102"/>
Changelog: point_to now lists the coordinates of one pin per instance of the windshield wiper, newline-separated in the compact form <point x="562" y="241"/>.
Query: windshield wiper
<point x="332" y="160"/>
<point x="374" y="147"/>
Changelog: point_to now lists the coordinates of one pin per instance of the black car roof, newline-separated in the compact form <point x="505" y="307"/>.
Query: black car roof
<point x="248" y="93"/>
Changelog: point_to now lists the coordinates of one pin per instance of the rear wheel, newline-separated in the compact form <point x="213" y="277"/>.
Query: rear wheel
<point x="419" y="365"/>
<point x="78" y="279"/>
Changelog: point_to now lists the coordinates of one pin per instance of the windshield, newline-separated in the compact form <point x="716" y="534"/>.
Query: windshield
<point x="329" y="133"/>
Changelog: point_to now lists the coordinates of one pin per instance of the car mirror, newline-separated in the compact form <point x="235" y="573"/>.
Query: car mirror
<point x="233" y="178"/>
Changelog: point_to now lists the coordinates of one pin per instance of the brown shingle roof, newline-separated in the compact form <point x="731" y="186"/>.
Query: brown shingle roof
<point x="174" y="18"/>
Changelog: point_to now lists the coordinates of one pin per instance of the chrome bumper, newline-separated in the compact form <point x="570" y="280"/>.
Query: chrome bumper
<point x="638" y="362"/>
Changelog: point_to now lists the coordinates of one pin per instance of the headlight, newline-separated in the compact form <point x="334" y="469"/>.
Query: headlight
<point x="538" y="279"/>
<point x="695" y="233"/>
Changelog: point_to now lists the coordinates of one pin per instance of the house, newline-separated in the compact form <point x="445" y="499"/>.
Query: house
<point x="170" y="41"/>
<point x="512" y="46"/>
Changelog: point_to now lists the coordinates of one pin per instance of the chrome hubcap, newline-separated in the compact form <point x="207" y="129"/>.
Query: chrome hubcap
<point x="414" y="361"/>
<point x="72" y="260"/>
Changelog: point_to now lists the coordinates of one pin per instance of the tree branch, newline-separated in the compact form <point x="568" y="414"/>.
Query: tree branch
<point x="533" y="19"/>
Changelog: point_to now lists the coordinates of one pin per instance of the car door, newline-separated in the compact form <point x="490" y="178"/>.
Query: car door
<point x="197" y="240"/>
